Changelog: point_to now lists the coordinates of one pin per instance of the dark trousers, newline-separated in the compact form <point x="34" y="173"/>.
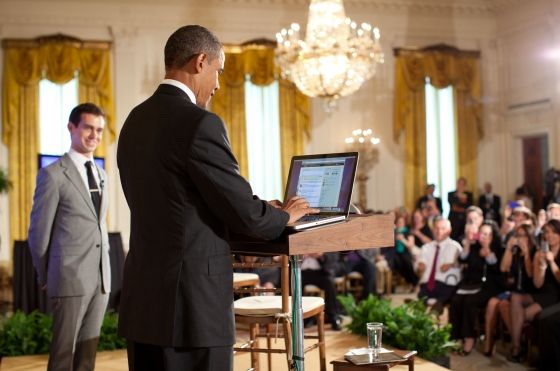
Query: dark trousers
<point x="441" y="292"/>
<point x="549" y="338"/>
<point x="367" y="270"/>
<point x="147" y="357"/>
<point x="463" y="312"/>
<point x="324" y="281"/>
<point x="76" y="326"/>
<point x="402" y="264"/>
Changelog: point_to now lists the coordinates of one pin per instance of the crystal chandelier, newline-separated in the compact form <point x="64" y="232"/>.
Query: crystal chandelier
<point x="336" y="57"/>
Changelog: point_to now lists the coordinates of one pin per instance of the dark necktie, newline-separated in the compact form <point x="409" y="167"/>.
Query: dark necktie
<point x="432" y="280"/>
<point x="93" y="188"/>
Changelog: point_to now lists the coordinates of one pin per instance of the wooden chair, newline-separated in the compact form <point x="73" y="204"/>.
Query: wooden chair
<point x="266" y="310"/>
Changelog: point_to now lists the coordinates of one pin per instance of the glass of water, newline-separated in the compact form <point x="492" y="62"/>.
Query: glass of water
<point x="374" y="333"/>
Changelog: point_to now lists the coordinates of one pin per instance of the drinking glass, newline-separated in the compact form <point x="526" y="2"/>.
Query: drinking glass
<point x="374" y="333"/>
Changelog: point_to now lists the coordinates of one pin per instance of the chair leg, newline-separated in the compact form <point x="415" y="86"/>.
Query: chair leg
<point x="321" y="333"/>
<point x="287" y="340"/>
<point x="269" y="329"/>
<point x="253" y="332"/>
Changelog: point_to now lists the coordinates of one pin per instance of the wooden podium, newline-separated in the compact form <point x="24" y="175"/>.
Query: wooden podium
<point x="358" y="233"/>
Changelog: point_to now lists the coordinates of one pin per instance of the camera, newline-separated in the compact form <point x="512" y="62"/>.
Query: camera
<point x="515" y="249"/>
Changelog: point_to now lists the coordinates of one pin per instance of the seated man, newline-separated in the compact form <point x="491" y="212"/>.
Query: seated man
<point x="362" y="261"/>
<point x="320" y="270"/>
<point x="438" y="265"/>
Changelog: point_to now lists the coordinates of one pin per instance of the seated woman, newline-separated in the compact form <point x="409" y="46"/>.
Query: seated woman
<point x="518" y="270"/>
<point x="546" y="278"/>
<point x="400" y="258"/>
<point x="480" y="281"/>
<point x="420" y="229"/>
<point x="519" y="252"/>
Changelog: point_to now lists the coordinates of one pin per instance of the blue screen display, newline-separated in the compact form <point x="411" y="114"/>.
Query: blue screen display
<point x="46" y="160"/>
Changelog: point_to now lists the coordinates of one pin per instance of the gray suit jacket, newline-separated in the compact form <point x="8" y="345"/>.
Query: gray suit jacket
<point x="68" y="244"/>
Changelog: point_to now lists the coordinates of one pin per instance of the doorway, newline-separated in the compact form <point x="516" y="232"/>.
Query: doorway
<point x="535" y="164"/>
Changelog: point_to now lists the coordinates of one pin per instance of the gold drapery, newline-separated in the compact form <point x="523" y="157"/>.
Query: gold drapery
<point x="256" y="61"/>
<point x="444" y="66"/>
<point x="26" y="62"/>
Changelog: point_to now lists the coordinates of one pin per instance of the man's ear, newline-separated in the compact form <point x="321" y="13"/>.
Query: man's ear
<point x="200" y="60"/>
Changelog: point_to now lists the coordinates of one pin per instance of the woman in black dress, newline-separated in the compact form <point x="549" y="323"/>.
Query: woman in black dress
<point x="481" y="280"/>
<point x="546" y="278"/>
<point x="459" y="201"/>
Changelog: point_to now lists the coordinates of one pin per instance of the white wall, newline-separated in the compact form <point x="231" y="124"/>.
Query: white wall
<point x="528" y="71"/>
<point x="139" y="30"/>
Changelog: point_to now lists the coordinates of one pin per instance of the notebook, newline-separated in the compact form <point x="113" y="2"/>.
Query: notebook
<point x="326" y="182"/>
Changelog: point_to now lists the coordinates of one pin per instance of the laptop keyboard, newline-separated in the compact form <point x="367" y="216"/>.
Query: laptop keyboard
<point x="312" y="218"/>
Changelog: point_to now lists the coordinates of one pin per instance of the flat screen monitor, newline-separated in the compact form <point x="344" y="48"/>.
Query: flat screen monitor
<point x="46" y="160"/>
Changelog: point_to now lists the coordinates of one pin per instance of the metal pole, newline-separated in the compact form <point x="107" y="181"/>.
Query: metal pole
<point x="297" y="312"/>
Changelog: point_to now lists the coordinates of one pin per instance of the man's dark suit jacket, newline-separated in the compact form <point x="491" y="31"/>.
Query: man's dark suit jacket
<point x="183" y="187"/>
<point x="491" y="209"/>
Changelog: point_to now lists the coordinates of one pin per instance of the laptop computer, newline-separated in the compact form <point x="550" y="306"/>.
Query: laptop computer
<point x="326" y="182"/>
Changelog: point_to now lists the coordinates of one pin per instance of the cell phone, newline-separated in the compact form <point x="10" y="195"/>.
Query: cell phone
<point x="513" y="204"/>
<point x="544" y="247"/>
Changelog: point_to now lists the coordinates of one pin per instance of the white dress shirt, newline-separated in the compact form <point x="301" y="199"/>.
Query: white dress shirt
<point x="449" y="251"/>
<point x="183" y="87"/>
<point x="79" y="161"/>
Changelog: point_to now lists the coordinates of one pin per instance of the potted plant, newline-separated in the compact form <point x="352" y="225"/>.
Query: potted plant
<point x="408" y="326"/>
<point x="28" y="334"/>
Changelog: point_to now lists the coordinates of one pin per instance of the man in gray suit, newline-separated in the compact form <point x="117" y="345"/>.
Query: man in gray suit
<point x="69" y="243"/>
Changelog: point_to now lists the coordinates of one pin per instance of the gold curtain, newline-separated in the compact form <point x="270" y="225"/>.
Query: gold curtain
<point x="56" y="58"/>
<point x="444" y="67"/>
<point x="257" y="62"/>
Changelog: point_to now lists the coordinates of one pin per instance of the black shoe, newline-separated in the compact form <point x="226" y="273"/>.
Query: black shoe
<point x="336" y="323"/>
<point x="309" y="322"/>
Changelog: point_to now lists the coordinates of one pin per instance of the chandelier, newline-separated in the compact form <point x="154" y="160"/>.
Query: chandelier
<point x="336" y="57"/>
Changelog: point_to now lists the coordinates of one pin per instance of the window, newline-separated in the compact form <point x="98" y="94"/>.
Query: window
<point x="441" y="148"/>
<point x="263" y="140"/>
<point x="55" y="103"/>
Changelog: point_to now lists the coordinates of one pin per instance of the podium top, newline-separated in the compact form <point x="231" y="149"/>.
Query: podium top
<point x="358" y="233"/>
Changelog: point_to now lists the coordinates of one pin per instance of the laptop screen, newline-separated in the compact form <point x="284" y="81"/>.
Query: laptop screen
<point x="325" y="181"/>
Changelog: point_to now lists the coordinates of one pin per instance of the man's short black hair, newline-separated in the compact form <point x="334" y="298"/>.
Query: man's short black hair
<point x="188" y="42"/>
<point x="76" y="114"/>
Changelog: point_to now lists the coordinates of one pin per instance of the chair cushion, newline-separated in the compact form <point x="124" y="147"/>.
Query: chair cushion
<point x="270" y="305"/>
<point x="241" y="277"/>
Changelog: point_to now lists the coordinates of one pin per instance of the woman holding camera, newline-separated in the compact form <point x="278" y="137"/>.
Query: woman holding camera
<point x="523" y="305"/>
<point x="481" y="277"/>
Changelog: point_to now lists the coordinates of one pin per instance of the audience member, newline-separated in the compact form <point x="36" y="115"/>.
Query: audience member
<point x="438" y="265"/>
<point x="490" y="204"/>
<point x="480" y="280"/>
<point x="430" y="188"/>
<point x="459" y="201"/>
<point x="553" y="211"/>
<point x="514" y="218"/>
<point x="362" y="261"/>
<point x="400" y="258"/>
<point x="546" y="278"/>
<point x="316" y="270"/>
<point x="518" y="260"/>
<point x="420" y="229"/>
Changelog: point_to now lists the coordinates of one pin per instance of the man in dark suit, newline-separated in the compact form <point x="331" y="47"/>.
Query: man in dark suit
<point x="184" y="190"/>
<point x="421" y="203"/>
<point x="490" y="204"/>
<point x="69" y="243"/>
